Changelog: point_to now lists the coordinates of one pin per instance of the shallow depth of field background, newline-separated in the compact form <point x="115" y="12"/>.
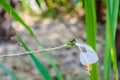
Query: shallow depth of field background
<point x="53" y="22"/>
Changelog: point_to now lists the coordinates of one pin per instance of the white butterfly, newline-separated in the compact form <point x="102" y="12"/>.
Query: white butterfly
<point x="87" y="54"/>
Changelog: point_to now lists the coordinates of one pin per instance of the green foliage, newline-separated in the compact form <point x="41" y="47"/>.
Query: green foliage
<point x="52" y="8"/>
<point x="38" y="3"/>
<point x="110" y="52"/>
<point x="90" y="15"/>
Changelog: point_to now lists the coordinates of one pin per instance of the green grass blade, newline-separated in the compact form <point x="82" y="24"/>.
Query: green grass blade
<point x="38" y="3"/>
<point x="90" y="15"/>
<point x="39" y="66"/>
<point x="13" y="76"/>
<point x="115" y="14"/>
<point x="112" y="14"/>
<point x="107" y="57"/>
<point x="8" y="8"/>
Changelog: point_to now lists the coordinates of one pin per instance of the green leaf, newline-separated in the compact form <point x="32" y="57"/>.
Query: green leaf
<point x="7" y="71"/>
<point x="90" y="16"/>
<point x="110" y="52"/>
<point x="38" y="3"/>
<point x="107" y="57"/>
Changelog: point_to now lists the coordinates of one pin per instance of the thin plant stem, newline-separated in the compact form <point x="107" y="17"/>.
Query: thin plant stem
<point x="29" y="52"/>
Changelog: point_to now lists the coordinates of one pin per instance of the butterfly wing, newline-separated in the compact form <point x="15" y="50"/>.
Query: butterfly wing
<point x="88" y="58"/>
